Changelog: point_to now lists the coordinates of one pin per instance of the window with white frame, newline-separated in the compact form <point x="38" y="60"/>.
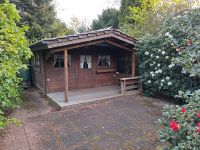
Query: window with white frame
<point x="85" y="61"/>
<point x="59" y="61"/>
<point x="104" y="61"/>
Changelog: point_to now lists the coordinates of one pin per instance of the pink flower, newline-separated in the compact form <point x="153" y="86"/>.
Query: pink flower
<point x="198" y="127"/>
<point x="198" y="114"/>
<point x="189" y="42"/>
<point x="183" y="109"/>
<point x="174" y="126"/>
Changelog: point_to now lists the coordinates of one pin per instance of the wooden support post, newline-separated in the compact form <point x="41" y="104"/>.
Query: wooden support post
<point x="133" y="63"/>
<point x="66" y="73"/>
<point x="124" y="90"/>
<point x="123" y="87"/>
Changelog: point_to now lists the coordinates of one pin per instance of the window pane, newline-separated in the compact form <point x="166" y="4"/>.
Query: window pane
<point x="108" y="60"/>
<point x="82" y="61"/>
<point x="69" y="61"/>
<point x="56" y="63"/>
<point x="38" y="59"/>
<point x="62" y="63"/>
<point x="59" y="60"/>
<point x="85" y="62"/>
<point x="104" y="60"/>
<point x="89" y="62"/>
<point x="35" y="61"/>
<point x="56" y="60"/>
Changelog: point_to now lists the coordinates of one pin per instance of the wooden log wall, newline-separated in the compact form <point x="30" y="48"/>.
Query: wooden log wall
<point x="54" y="77"/>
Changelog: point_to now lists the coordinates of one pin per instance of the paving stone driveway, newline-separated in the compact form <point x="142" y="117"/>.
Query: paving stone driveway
<point x="125" y="123"/>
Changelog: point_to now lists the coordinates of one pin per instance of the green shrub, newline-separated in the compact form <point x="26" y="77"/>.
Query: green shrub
<point x="180" y="125"/>
<point x="161" y="74"/>
<point x="14" y="51"/>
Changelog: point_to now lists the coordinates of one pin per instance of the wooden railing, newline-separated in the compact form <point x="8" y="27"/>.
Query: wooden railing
<point x="129" y="84"/>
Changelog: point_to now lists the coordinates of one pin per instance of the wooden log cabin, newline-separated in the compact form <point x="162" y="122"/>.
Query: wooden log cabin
<point x="86" y="60"/>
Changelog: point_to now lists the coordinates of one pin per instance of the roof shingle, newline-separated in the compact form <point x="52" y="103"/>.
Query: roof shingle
<point x="83" y="37"/>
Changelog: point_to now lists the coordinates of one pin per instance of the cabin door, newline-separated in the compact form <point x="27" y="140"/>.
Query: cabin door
<point x="85" y="72"/>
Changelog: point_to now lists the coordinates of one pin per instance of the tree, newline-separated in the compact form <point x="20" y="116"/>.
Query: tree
<point x="109" y="17"/>
<point x="74" y="23"/>
<point x="14" y="51"/>
<point x="79" y="26"/>
<point x="148" y="15"/>
<point x="40" y="16"/>
<point x="83" y="27"/>
<point x="59" y="29"/>
<point x="124" y="11"/>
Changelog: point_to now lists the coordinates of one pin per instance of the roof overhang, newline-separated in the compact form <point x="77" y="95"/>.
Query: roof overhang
<point x="110" y="36"/>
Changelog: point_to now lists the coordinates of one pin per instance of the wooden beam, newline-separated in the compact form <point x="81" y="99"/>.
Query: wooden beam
<point x="118" y="45"/>
<point x="77" y="46"/>
<point x="66" y="73"/>
<point x="133" y="63"/>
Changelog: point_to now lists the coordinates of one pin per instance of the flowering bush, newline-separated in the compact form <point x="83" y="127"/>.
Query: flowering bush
<point x="180" y="126"/>
<point x="170" y="64"/>
<point x="161" y="66"/>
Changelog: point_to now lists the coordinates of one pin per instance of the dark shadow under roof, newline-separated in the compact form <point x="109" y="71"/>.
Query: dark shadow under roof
<point x="108" y="33"/>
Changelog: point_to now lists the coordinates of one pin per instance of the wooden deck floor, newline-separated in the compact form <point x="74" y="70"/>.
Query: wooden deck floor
<point x="84" y="96"/>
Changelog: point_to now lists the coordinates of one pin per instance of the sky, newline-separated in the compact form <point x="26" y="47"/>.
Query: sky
<point x="84" y="10"/>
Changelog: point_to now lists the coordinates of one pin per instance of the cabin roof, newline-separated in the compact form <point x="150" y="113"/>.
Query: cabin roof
<point x="81" y="38"/>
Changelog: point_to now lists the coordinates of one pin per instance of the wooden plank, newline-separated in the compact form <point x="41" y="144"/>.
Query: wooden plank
<point x="132" y="87"/>
<point x="133" y="63"/>
<point x="119" y="45"/>
<point x="77" y="46"/>
<point x="105" y="70"/>
<point x="66" y="73"/>
<point x="131" y="82"/>
<point x="128" y="84"/>
<point x="130" y="78"/>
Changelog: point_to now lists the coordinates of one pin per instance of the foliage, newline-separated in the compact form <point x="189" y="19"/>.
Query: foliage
<point x="108" y="18"/>
<point x="40" y="16"/>
<point x="124" y="12"/>
<point x="83" y="27"/>
<point x="160" y="73"/>
<point x="180" y="126"/>
<point x="148" y="15"/>
<point x="13" y="52"/>
<point x="189" y="54"/>
<point x="79" y="26"/>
